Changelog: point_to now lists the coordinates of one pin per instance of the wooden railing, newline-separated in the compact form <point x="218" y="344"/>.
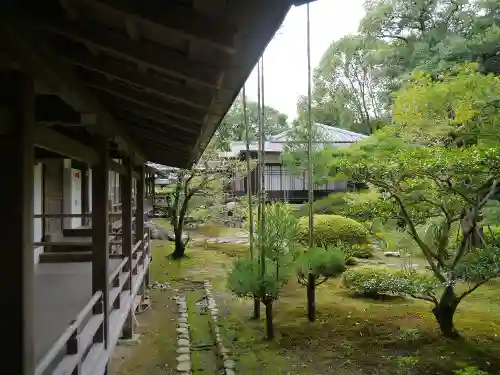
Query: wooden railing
<point x="77" y="339"/>
<point x="82" y="344"/>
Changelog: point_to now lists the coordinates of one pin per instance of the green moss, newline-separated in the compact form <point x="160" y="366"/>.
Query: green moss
<point x="203" y="362"/>
<point x="350" y="336"/>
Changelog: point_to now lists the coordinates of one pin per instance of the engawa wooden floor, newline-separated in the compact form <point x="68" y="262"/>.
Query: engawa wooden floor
<point x="61" y="291"/>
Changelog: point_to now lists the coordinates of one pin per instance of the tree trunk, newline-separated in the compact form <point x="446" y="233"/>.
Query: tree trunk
<point x="256" y="308"/>
<point x="180" y="246"/>
<point x="269" y="320"/>
<point x="445" y="312"/>
<point x="311" y="298"/>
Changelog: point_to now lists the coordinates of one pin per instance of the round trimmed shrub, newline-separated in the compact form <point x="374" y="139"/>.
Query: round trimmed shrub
<point x="362" y="251"/>
<point x="329" y="230"/>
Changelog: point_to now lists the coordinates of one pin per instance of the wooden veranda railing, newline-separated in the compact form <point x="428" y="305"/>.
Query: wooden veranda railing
<point x="80" y="350"/>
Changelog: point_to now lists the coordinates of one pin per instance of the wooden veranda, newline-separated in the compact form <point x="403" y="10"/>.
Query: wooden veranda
<point x="97" y="87"/>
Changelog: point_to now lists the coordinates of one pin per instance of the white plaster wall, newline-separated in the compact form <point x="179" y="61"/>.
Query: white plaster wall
<point x="76" y="194"/>
<point x="37" y="209"/>
<point x="90" y="189"/>
<point x="72" y="198"/>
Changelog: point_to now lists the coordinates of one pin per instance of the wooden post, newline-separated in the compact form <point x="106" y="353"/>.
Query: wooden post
<point x="139" y="212"/>
<point x="100" y="233"/>
<point x="126" y="198"/>
<point x="16" y="208"/>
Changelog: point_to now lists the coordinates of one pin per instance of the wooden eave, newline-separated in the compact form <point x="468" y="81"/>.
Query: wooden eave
<point x="158" y="76"/>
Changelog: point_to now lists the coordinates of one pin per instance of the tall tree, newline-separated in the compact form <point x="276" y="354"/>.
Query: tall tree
<point x="347" y="84"/>
<point x="433" y="182"/>
<point x="232" y="127"/>
<point x="432" y="35"/>
<point x="206" y="180"/>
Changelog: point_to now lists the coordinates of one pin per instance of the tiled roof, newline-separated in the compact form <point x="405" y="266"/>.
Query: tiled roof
<point x="325" y="133"/>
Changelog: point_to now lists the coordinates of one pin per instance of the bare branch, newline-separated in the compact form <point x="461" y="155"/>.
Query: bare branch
<point x="470" y="290"/>
<point x="428" y="298"/>
<point x="428" y="253"/>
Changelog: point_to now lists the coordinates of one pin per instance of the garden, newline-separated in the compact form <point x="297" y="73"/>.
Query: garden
<point x="400" y="277"/>
<point x="400" y="274"/>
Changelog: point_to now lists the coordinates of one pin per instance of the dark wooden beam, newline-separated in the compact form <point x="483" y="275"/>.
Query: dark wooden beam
<point x="215" y="31"/>
<point x="16" y="207"/>
<point x="117" y="167"/>
<point x="123" y="91"/>
<point x="164" y="150"/>
<point x="126" y="198"/>
<point x="51" y="108"/>
<point x="100" y="235"/>
<point x="156" y="116"/>
<point x="38" y="59"/>
<point x="198" y="98"/>
<point x="52" y="140"/>
<point x="176" y="131"/>
<point x="150" y="54"/>
<point x="161" y="140"/>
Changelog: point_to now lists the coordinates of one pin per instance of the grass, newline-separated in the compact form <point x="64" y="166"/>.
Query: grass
<point x="213" y="230"/>
<point x="350" y="336"/>
<point x="157" y="352"/>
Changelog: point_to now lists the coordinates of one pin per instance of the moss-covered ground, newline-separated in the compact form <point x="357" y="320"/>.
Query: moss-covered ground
<point x="351" y="335"/>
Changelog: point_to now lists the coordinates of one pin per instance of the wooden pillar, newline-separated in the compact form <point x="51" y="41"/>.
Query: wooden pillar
<point x="139" y="212"/>
<point x="100" y="233"/>
<point x="16" y="218"/>
<point x="126" y="198"/>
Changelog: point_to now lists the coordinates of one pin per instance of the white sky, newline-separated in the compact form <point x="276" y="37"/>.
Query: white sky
<point x="285" y="59"/>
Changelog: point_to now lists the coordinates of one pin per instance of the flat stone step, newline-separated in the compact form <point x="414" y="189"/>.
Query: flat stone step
<point x="63" y="247"/>
<point x="84" y="231"/>
<point x="62" y="257"/>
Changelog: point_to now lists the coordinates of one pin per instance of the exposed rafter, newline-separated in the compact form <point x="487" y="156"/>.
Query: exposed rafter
<point x="160" y="117"/>
<point x="174" y="91"/>
<point x="163" y="130"/>
<point x="37" y="58"/>
<point x="150" y="54"/>
<point x="152" y="101"/>
<point x="192" y="24"/>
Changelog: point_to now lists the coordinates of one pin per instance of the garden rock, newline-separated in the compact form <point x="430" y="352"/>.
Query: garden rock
<point x="394" y="254"/>
<point x="184" y="366"/>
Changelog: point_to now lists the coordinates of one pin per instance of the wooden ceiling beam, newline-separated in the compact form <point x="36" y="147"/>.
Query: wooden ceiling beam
<point x="190" y="23"/>
<point x="170" y="90"/>
<point x="39" y="60"/>
<point x="147" y="100"/>
<point x="152" y="55"/>
<point x="54" y="141"/>
<point x="161" y="118"/>
<point x="164" y="147"/>
<point x="174" y="134"/>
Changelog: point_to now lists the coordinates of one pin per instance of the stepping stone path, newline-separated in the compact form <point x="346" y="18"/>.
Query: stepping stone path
<point x="222" y="352"/>
<point x="184" y="358"/>
<point x="184" y="366"/>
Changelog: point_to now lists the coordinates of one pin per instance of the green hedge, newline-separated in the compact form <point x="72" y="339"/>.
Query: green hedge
<point x="329" y="230"/>
<point x="376" y="281"/>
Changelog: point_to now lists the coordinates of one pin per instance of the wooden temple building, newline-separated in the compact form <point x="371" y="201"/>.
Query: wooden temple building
<point x="90" y="91"/>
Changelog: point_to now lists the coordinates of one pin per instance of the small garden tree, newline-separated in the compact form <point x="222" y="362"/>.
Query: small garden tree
<point x="314" y="267"/>
<point x="263" y="277"/>
<point x="324" y="261"/>
<point x="206" y="181"/>
<point x="436" y="181"/>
